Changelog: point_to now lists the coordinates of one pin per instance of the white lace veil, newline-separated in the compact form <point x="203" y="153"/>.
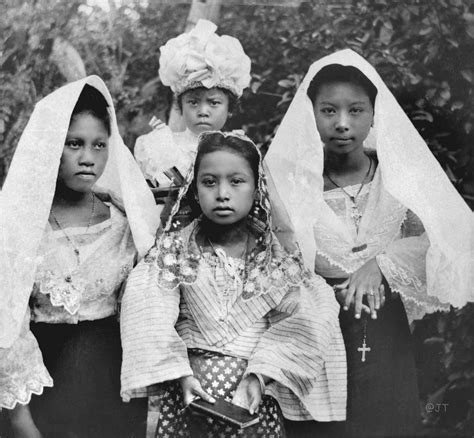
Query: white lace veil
<point x="27" y="195"/>
<point x="410" y="173"/>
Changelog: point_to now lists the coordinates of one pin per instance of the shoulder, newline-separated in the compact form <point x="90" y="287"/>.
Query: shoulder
<point x="155" y="138"/>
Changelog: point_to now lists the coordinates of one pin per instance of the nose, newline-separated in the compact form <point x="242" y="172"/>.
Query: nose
<point x="203" y="110"/>
<point x="342" y="122"/>
<point x="87" y="156"/>
<point x="223" y="192"/>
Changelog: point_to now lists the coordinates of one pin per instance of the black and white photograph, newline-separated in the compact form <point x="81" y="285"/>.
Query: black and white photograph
<point x="236" y="219"/>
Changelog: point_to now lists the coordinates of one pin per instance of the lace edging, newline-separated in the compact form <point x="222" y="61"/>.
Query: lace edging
<point x="14" y="394"/>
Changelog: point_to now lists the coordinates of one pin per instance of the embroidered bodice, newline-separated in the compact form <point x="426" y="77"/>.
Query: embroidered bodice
<point x="66" y="291"/>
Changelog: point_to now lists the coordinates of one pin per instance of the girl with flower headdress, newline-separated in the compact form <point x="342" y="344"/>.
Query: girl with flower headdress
<point x="376" y="216"/>
<point x="207" y="74"/>
<point x="220" y="309"/>
<point x="76" y="213"/>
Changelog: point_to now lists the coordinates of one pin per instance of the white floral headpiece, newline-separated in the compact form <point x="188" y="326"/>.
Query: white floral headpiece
<point x="200" y="58"/>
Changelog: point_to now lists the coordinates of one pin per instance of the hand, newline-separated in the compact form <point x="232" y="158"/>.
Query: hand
<point x="192" y="388"/>
<point x="22" y="423"/>
<point x="368" y="278"/>
<point x="248" y="394"/>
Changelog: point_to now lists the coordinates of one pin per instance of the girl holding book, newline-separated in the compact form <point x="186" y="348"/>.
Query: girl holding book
<point x="76" y="213"/>
<point x="220" y="309"/>
<point x="376" y="216"/>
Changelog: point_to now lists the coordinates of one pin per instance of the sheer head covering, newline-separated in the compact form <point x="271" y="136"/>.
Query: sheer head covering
<point x="200" y="58"/>
<point x="268" y="267"/>
<point x="409" y="172"/>
<point x="29" y="189"/>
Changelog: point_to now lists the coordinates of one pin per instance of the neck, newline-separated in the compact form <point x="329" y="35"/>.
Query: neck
<point x="345" y="163"/>
<point x="225" y="235"/>
<point x="65" y="197"/>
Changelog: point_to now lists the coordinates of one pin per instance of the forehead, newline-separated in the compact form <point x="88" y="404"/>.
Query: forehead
<point x="224" y="162"/>
<point x="204" y="93"/>
<point x="346" y="91"/>
<point x="86" y="122"/>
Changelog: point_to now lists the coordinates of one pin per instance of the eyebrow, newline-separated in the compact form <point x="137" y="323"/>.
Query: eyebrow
<point x="358" y="102"/>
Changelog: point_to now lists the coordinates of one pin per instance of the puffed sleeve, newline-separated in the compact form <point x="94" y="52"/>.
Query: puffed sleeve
<point x="303" y="352"/>
<point x="22" y="371"/>
<point x="403" y="264"/>
<point x="153" y="352"/>
<point x="155" y="152"/>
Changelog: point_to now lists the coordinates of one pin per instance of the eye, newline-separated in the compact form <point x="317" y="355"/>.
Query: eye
<point x="191" y="102"/>
<point x="100" y="145"/>
<point x="215" y="102"/>
<point x="73" y="143"/>
<point x="328" y="110"/>
<point x="208" y="182"/>
<point x="237" y="181"/>
<point x="357" y="110"/>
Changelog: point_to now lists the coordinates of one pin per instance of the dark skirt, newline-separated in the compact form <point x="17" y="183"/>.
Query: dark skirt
<point x="84" y="361"/>
<point x="382" y="391"/>
<point x="219" y="375"/>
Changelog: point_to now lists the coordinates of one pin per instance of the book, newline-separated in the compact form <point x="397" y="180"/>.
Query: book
<point x="225" y="411"/>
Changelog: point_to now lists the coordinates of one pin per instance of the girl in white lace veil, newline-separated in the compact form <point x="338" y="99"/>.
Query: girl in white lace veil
<point x="25" y="232"/>
<point x="402" y="218"/>
<point x="410" y="174"/>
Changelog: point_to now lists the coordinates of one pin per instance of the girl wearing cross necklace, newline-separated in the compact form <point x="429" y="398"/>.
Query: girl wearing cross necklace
<point x="364" y="197"/>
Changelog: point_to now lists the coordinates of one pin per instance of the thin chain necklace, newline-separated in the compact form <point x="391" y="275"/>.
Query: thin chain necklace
<point x="68" y="238"/>
<point x="356" y="214"/>
<point x="229" y="269"/>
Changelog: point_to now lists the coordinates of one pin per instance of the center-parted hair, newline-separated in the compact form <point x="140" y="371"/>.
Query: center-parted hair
<point x="346" y="74"/>
<point x="91" y="101"/>
<point x="216" y="141"/>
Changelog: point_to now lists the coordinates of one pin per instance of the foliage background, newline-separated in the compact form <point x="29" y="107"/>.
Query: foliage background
<point x="422" y="49"/>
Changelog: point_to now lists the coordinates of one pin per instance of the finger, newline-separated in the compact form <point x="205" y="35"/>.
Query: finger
<point x="371" y="302"/>
<point x="377" y="299"/>
<point x="365" y="309"/>
<point x="382" y="295"/>
<point x="254" y="405"/>
<point x="204" y="395"/>
<point x="349" y="295"/>
<point x="342" y="285"/>
<point x="359" y="295"/>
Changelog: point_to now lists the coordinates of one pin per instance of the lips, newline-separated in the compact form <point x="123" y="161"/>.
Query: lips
<point x="223" y="209"/>
<point x="86" y="175"/>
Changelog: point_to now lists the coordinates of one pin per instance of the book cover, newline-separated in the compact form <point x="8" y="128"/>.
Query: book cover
<point x="225" y="411"/>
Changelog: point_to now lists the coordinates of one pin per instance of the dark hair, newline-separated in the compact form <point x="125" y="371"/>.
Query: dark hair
<point x="230" y="96"/>
<point x="337" y="73"/>
<point x="91" y="101"/>
<point x="216" y="141"/>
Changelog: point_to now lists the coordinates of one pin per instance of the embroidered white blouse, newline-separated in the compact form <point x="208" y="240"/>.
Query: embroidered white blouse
<point x="162" y="149"/>
<point x="387" y="231"/>
<point x="67" y="290"/>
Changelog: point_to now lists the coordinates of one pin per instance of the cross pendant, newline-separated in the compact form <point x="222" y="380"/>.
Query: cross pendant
<point x="363" y="350"/>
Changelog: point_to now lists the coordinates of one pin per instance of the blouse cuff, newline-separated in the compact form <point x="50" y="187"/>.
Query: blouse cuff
<point x="20" y="388"/>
